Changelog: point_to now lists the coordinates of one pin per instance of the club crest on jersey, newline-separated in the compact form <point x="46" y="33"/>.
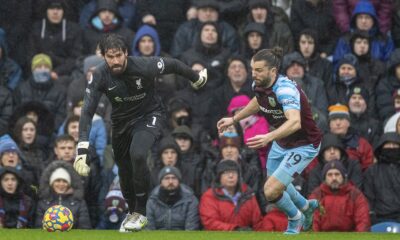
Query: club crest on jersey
<point x="271" y="101"/>
<point x="139" y="83"/>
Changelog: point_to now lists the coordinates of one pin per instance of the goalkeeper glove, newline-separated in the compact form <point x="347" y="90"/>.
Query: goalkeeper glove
<point x="81" y="158"/>
<point x="201" y="81"/>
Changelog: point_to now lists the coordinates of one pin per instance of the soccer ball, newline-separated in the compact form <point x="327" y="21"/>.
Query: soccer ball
<point x="58" y="219"/>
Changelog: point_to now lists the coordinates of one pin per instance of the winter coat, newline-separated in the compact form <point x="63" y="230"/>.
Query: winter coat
<point x="319" y="68"/>
<point x="343" y="9"/>
<point x="366" y="126"/>
<point x="6" y="109"/>
<point x="396" y="25"/>
<point x="11" y="203"/>
<point x="61" y="42"/>
<point x="169" y="16"/>
<point x="275" y="221"/>
<point x="320" y="18"/>
<point x="182" y="215"/>
<point x="192" y="166"/>
<point x="344" y="211"/>
<point x="220" y="101"/>
<point x="382" y="185"/>
<point x="74" y="201"/>
<point x="126" y="8"/>
<point x="358" y="148"/>
<point x="188" y="32"/>
<point x="92" y="35"/>
<point x="391" y="123"/>
<point x="386" y="88"/>
<point x="381" y="45"/>
<point x="34" y="157"/>
<point x="51" y="94"/>
<point x="218" y="212"/>
<point x="10" y="71"/>
<point x="353" y="167"/>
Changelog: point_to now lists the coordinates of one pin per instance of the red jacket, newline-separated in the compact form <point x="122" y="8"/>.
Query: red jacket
<point x="345" y="210"/>
<point x="217" y="212"/>
<point x="343" y="9"/>
<point x="363" y="153"/>
<point x="275" y="221"/>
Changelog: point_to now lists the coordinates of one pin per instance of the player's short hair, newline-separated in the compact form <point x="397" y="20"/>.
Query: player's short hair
<point x="112" y="41"/>
<point x="63" y="138"/>
<point x="273" y="57"/>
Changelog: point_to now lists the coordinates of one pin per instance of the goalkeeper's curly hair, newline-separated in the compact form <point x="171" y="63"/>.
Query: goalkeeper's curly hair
<point x="112" y="41"/>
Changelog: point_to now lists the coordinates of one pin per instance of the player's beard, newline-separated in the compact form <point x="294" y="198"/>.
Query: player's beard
<point x="118" y="68"/>
<point x="265" y="82"/>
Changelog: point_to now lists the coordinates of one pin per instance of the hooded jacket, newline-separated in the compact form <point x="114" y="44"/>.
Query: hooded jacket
<point x="146" y="30"/>
<point x="386" y="88"/>
<point x="382" y="184"/>
<point x="353" y="167"/>
<point x="74" y="199"/>
<point x="381" y="45"/>
<point x="6" y="109"/>
<point x="10" y="71"/>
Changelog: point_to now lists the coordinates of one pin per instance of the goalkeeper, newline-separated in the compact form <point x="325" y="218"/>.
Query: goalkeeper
<point x="138" y="117"/>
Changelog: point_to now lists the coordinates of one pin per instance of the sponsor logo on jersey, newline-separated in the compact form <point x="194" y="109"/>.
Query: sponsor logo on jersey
<point x="161" y="65"/>
<point x="271" y="101"/>
<point x="139" y="83"/>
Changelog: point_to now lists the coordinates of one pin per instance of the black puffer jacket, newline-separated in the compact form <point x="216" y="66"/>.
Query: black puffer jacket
<point x="382" y="184"/>
<point x="73" y="200"/>
<point x="367" y="127"/>
<point x="386" y="87"/>
<point x="353" y="167"/>
<point x="6" y="109"/>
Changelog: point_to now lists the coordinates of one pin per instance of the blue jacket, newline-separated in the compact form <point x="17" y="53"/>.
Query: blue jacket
<point x="381" y="46"/>
<point x="10" y="71"/>
<point x="146" y="30"/>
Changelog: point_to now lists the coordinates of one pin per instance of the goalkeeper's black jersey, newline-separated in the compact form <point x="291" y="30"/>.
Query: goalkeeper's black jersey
<point x="132" y="93"/>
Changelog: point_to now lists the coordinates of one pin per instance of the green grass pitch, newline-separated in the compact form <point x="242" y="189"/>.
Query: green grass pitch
<point x="33" y="234"/>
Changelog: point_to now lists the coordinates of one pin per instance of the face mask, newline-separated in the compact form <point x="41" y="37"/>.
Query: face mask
<point x="41" y="76"/>
<point x="184" y="120"/>
<point x="390" y="155"/>
<point x="347" y="80"/>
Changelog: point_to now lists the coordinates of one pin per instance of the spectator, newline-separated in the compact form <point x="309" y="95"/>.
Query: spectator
<point x="10" y="156"/>
<point x="126" y="8"/>
<point x="187" y="33"/>
<point x="60" y="184"/>
<point x="165" y="16"/>
<point x="168" y="155"/>
<point x="308" y="45"/>
<point x="393" y="123"/>
<point x="25" y="134"/>
<point x="381" y="180"/>
<point x="10" y="71"/>
<point x="106" y="19"/>
<point x="16" y="207"/>
<point x="387" y="86"/>
<point x="251" y="126"/>
<point x="360" y="119"/>
<point x="279" y="33"/>
<point x="172" y="205"/>
<point x="340" y="200"/>
<point x="370" y="69"/>
<point x="253" y="40"/>
<point x="229" y="205"/>
<point x="180" y="113"/>
<point x="208" y="49"/>
<point x="58" y="38"/>
<point x="364" y="18"/>
<point x="293" y="66"/>
<point x="316" y="15"/>
<point x="356" y="146"/>
<point x="396" y="24"/>
<point x="332" y="149"/>
<point x="192" y="163"/>
<point x="44" y="120"/>
<point x="40" y="87"/>
<point x="147" y="43"/>
<point x="237" y="82"/>
<point x="6" y="109"/>
<point x="347" y="76"/>
<point x="342" y="11"/>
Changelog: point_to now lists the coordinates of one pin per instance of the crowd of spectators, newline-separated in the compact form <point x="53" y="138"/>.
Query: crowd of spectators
<point x="345" y="54"/>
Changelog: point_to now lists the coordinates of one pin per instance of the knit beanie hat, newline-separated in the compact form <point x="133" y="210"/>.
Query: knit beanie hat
<point x="359" y="90"/>
<point x="91" y="61"/>
<point x="226" y="165"/>
<point x="169" y="170"/>
<point x="338" y="111"/>
<point x="41" y="59"/>
<point x="334" y="165"/>
<point x="208" y="3"/>
<point x="60" y="173"/>
<point x="259" y="3"/>
<point x="237" y="102"/>
<point x="7" y="144"/>
<point x="183" y="131"/>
